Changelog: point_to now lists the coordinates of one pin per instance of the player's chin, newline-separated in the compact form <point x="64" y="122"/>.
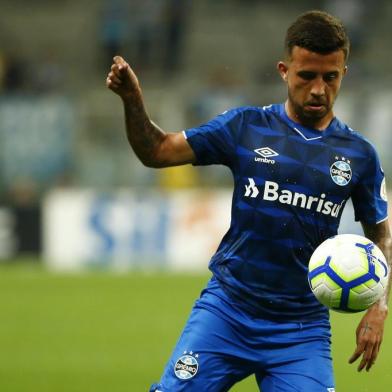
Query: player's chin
<point x="315" y="112"/>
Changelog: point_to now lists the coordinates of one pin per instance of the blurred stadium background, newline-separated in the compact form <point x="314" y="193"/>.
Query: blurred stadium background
<point x="101" y="258"/>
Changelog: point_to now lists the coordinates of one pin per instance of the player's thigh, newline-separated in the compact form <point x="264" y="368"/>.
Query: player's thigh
<point x="313" y="373"/>
<point x="207" y="357"/>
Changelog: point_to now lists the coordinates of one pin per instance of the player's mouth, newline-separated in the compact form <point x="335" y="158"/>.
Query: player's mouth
<point x="314" y="106"/>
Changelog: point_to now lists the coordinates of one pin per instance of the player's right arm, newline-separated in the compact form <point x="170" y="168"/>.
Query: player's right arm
<point x="153" y="146"/>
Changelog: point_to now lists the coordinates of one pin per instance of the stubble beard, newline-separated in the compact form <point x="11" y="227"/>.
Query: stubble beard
<point x="307" y="118"/>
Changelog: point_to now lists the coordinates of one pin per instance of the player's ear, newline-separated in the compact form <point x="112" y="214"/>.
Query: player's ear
<point x="282" y="69"/>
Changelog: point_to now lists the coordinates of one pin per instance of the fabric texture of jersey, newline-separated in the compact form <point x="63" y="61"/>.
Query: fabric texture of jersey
<point x="290" y="187"/>
<point x="221" y="345"/>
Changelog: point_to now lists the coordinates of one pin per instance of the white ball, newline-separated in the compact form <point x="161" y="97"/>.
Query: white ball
<point x="348" y="273"/>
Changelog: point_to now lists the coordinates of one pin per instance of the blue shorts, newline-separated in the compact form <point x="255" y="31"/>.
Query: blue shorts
<point x="222" y="345"/>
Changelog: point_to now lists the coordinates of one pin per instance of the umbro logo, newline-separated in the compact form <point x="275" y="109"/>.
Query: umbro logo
<point x="265" y="153"/>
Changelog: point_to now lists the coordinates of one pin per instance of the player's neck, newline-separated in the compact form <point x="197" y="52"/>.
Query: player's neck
<point x="317" y="124"/>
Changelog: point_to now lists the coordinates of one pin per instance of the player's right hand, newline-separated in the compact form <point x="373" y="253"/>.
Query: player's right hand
<point x="122" y="80"/>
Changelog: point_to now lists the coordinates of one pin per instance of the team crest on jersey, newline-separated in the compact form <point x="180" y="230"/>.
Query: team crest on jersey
<point x="186" y="366"/>
<point x="340" y="171"/>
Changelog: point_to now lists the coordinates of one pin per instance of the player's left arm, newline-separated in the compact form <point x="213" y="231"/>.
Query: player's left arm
<point x="370" y="331"/>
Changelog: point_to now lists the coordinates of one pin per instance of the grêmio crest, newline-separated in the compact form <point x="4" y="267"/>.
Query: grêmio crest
<point x="340" y="171"/>
<point x="186" y="366"/>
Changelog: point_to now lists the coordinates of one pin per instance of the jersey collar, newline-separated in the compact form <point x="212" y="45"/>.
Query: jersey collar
<point x="305" y="132"/>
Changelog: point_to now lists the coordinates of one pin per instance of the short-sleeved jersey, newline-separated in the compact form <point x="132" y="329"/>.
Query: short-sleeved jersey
<point x="290" y="187"/>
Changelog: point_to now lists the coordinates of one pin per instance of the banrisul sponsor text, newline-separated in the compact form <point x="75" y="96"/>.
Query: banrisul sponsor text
<point x="273" y="192"/>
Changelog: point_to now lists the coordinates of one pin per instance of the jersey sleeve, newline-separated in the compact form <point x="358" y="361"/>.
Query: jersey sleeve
<point x="370" y="196"/>
<point x="215" y="142"/>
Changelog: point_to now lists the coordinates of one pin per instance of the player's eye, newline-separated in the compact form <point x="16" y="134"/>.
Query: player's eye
<point x="306" y="75"/>
<point x="329" y="77"/>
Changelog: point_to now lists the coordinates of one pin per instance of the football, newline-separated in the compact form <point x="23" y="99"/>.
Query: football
<point x="348" y="273"/>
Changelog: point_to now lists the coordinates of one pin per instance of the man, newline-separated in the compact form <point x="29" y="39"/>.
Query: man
<point x="257" y="314"/>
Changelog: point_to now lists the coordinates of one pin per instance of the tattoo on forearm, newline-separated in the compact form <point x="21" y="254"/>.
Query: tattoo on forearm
<point x="380" y="235"/>
<point x="143" y="135"/>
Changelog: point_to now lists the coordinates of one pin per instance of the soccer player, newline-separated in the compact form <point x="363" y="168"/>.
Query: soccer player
<point x="294" y="166"/>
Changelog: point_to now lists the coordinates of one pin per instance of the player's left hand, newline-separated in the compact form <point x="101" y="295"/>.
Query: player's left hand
<point x="370" y="333"/>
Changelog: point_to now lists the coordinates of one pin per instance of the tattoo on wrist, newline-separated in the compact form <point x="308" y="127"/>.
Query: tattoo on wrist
<point x="366" y="328"/>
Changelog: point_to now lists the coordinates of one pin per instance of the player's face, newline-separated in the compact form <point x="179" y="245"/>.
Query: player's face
<point x="313" y="82"/>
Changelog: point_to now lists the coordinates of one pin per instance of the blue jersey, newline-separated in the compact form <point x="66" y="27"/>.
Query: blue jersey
<point x="290" y="187"/>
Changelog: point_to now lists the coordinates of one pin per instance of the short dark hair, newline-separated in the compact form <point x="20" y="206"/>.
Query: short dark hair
<point x="318" y="32"/>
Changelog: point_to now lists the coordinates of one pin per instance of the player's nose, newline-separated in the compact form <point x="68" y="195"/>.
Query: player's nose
<point x="318" y="87"/>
